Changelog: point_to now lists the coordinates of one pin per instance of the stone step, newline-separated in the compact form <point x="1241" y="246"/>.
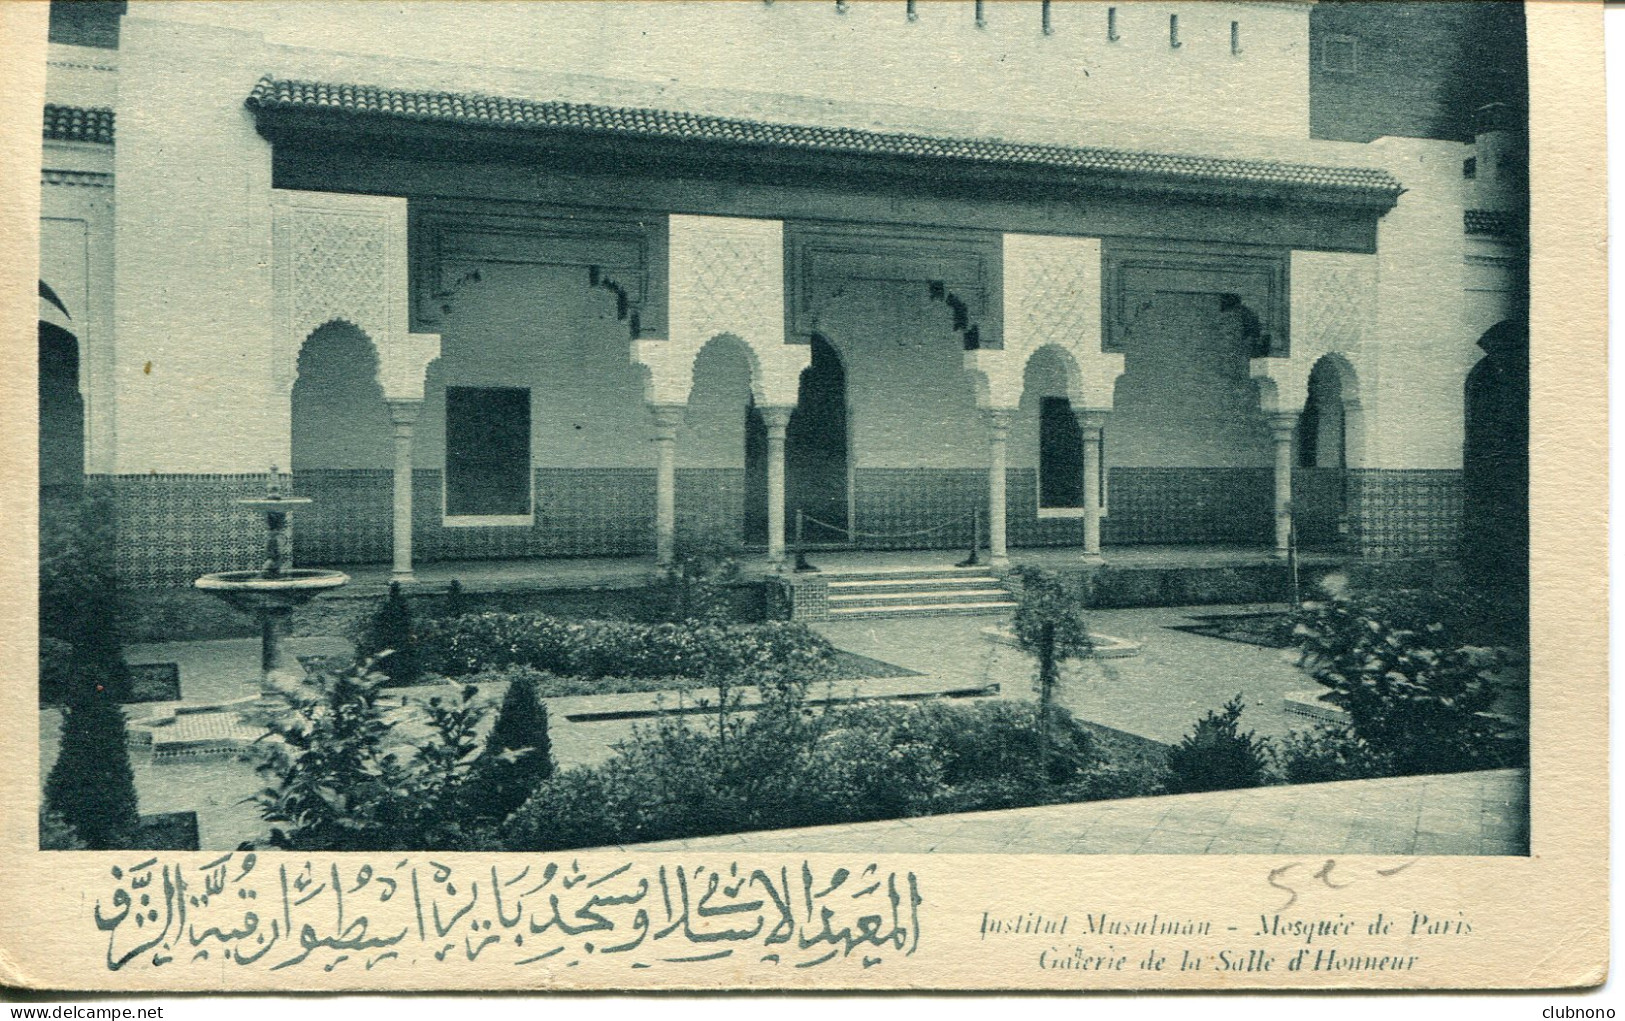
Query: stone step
<point x="932" y="598"/>
<point x="903" y="573"/>
<point x="921" y="609"/>
<point x="970" y="581"/>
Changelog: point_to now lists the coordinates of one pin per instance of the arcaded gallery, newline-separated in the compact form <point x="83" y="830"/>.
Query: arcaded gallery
<point x="579" y="280"/>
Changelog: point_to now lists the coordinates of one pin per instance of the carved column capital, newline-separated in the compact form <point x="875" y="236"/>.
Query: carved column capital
<point x="1282" y="425"/>
<point x="998" y="422"/>
<point x="1091" y="421"/>
<point x="668" y="418"/>
<point x="404" y="413"/>
<point x="777" y="418"/>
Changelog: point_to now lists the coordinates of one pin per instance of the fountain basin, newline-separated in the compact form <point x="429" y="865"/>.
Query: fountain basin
<point x="253" y="590"/>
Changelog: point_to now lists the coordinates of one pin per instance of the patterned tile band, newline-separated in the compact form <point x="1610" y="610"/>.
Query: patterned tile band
<point x="1346" y="185"/>
<point x="172" y="528"/>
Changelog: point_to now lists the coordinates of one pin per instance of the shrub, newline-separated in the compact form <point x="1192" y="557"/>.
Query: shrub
<point x="606" y="648"/>
<point x="518" y="754"/>
<point x="456" y="602"/>
<point x="389" y="635"/>
<point x="1325" y="754"/>
<point x="697" y="583"/>
<point x="1216" y="756"/>
<point x="349" y="776"/>
<point x="56" y="835"/>
<point x="786" y="766"/>
<point x="1415" y="692"/>
<point x="79" y="596"/>
<point x="91" y="787"/>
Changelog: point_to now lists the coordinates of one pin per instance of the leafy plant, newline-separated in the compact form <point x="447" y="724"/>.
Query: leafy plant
<point x="1216" y="755"/>
<point x="348" y="775"/>
<point x="1326" y="754"/>
<point x="1050" y="627"/>
<point x="785" y="764"/>
<point x="698" y="579"/>
<point x="91" y="788"/>
<point x="614" y="648"/>
<point x="1422" y="699"/>
<point x="80" y="600"/>
<point x="456" y="602"/>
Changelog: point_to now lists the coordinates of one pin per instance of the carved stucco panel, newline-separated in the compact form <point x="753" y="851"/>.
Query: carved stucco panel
<point x="726" y="276"/>
<point x="1334" y="297"/>
<point x="1052" y="296"/>
<point x="343" y="258"/>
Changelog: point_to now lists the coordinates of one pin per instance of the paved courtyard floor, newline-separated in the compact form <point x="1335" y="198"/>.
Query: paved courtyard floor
<point x="1458" y="814"/>
<point x="1158" y="694"/>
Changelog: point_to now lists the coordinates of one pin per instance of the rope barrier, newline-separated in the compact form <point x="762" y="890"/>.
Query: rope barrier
<point x="856" y="534"/>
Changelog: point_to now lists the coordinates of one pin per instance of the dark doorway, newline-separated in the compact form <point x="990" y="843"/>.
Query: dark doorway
<point x="61" y="412"/>
<point x="1495" y="467"/>
<point x="815" y="455"/>
<point x="816" y="478"/>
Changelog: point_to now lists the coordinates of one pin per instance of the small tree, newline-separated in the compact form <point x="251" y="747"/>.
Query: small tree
<point x="456" y="603"/>
<point x="1216" y="756"/>
<point x="518" y="755"/>
<point x="390" y="631"/>
<point x="1050" y="627"/>
<point x="347" y="775"/>
<point x="91" y="788"/>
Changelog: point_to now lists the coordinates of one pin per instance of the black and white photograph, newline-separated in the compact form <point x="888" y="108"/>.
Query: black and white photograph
<point x="671" y="475"/>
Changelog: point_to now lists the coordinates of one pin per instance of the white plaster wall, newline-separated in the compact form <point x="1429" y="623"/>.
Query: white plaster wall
<point x="910" y="403"/>
<point x="76" y="260"/>
<point x="713" y="430"/>
<point x="1185" y="399"/>
<point x="340" y="419"/>
<point x="192" y="282"/>
<point x="544" y="328"/>
<point x="706" y="55"/>
<point x="1420" y="348"/>
<point x="81" y="76"/>
<point x="1045" y="376"/>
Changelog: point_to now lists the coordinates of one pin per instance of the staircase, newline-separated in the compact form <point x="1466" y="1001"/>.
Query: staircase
<point x="915" y="592"/>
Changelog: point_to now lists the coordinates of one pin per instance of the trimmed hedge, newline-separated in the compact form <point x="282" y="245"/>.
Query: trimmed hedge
<point x="478" y="642"/>
<point x="787" y="766"/>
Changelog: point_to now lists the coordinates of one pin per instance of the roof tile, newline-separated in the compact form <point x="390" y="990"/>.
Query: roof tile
<point x="1358" y="184"/>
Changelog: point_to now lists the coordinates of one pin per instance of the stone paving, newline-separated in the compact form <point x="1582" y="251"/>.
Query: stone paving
<point x="1456" y="814"/>
<point x="1158" y="694"/>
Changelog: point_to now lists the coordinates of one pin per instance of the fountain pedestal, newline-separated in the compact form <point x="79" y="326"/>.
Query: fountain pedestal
<point x="271" y="602"/>
<point x="271" y="594"/>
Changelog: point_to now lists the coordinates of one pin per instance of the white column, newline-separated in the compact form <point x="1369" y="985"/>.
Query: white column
<point x="998" y="429"/>
<point x="1091" y="423"/>
<point x="403" y="414"/>
<point x="776" y="420"/>
<point x="667" y="418"/>
<point x="1281" y="428"/>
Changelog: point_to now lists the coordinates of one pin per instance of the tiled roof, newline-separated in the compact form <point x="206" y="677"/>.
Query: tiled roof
<point x="1360" y="185"/>
<point x="1493" y="222"/>
<point x="78" y="124"/>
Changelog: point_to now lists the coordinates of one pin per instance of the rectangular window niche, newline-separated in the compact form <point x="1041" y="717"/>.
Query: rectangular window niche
<point x="488" y="475"/>
<point x="1060" y="460"/>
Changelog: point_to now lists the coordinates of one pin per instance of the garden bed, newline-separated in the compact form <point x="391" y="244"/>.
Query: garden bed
<point x="1269" y="630"/>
